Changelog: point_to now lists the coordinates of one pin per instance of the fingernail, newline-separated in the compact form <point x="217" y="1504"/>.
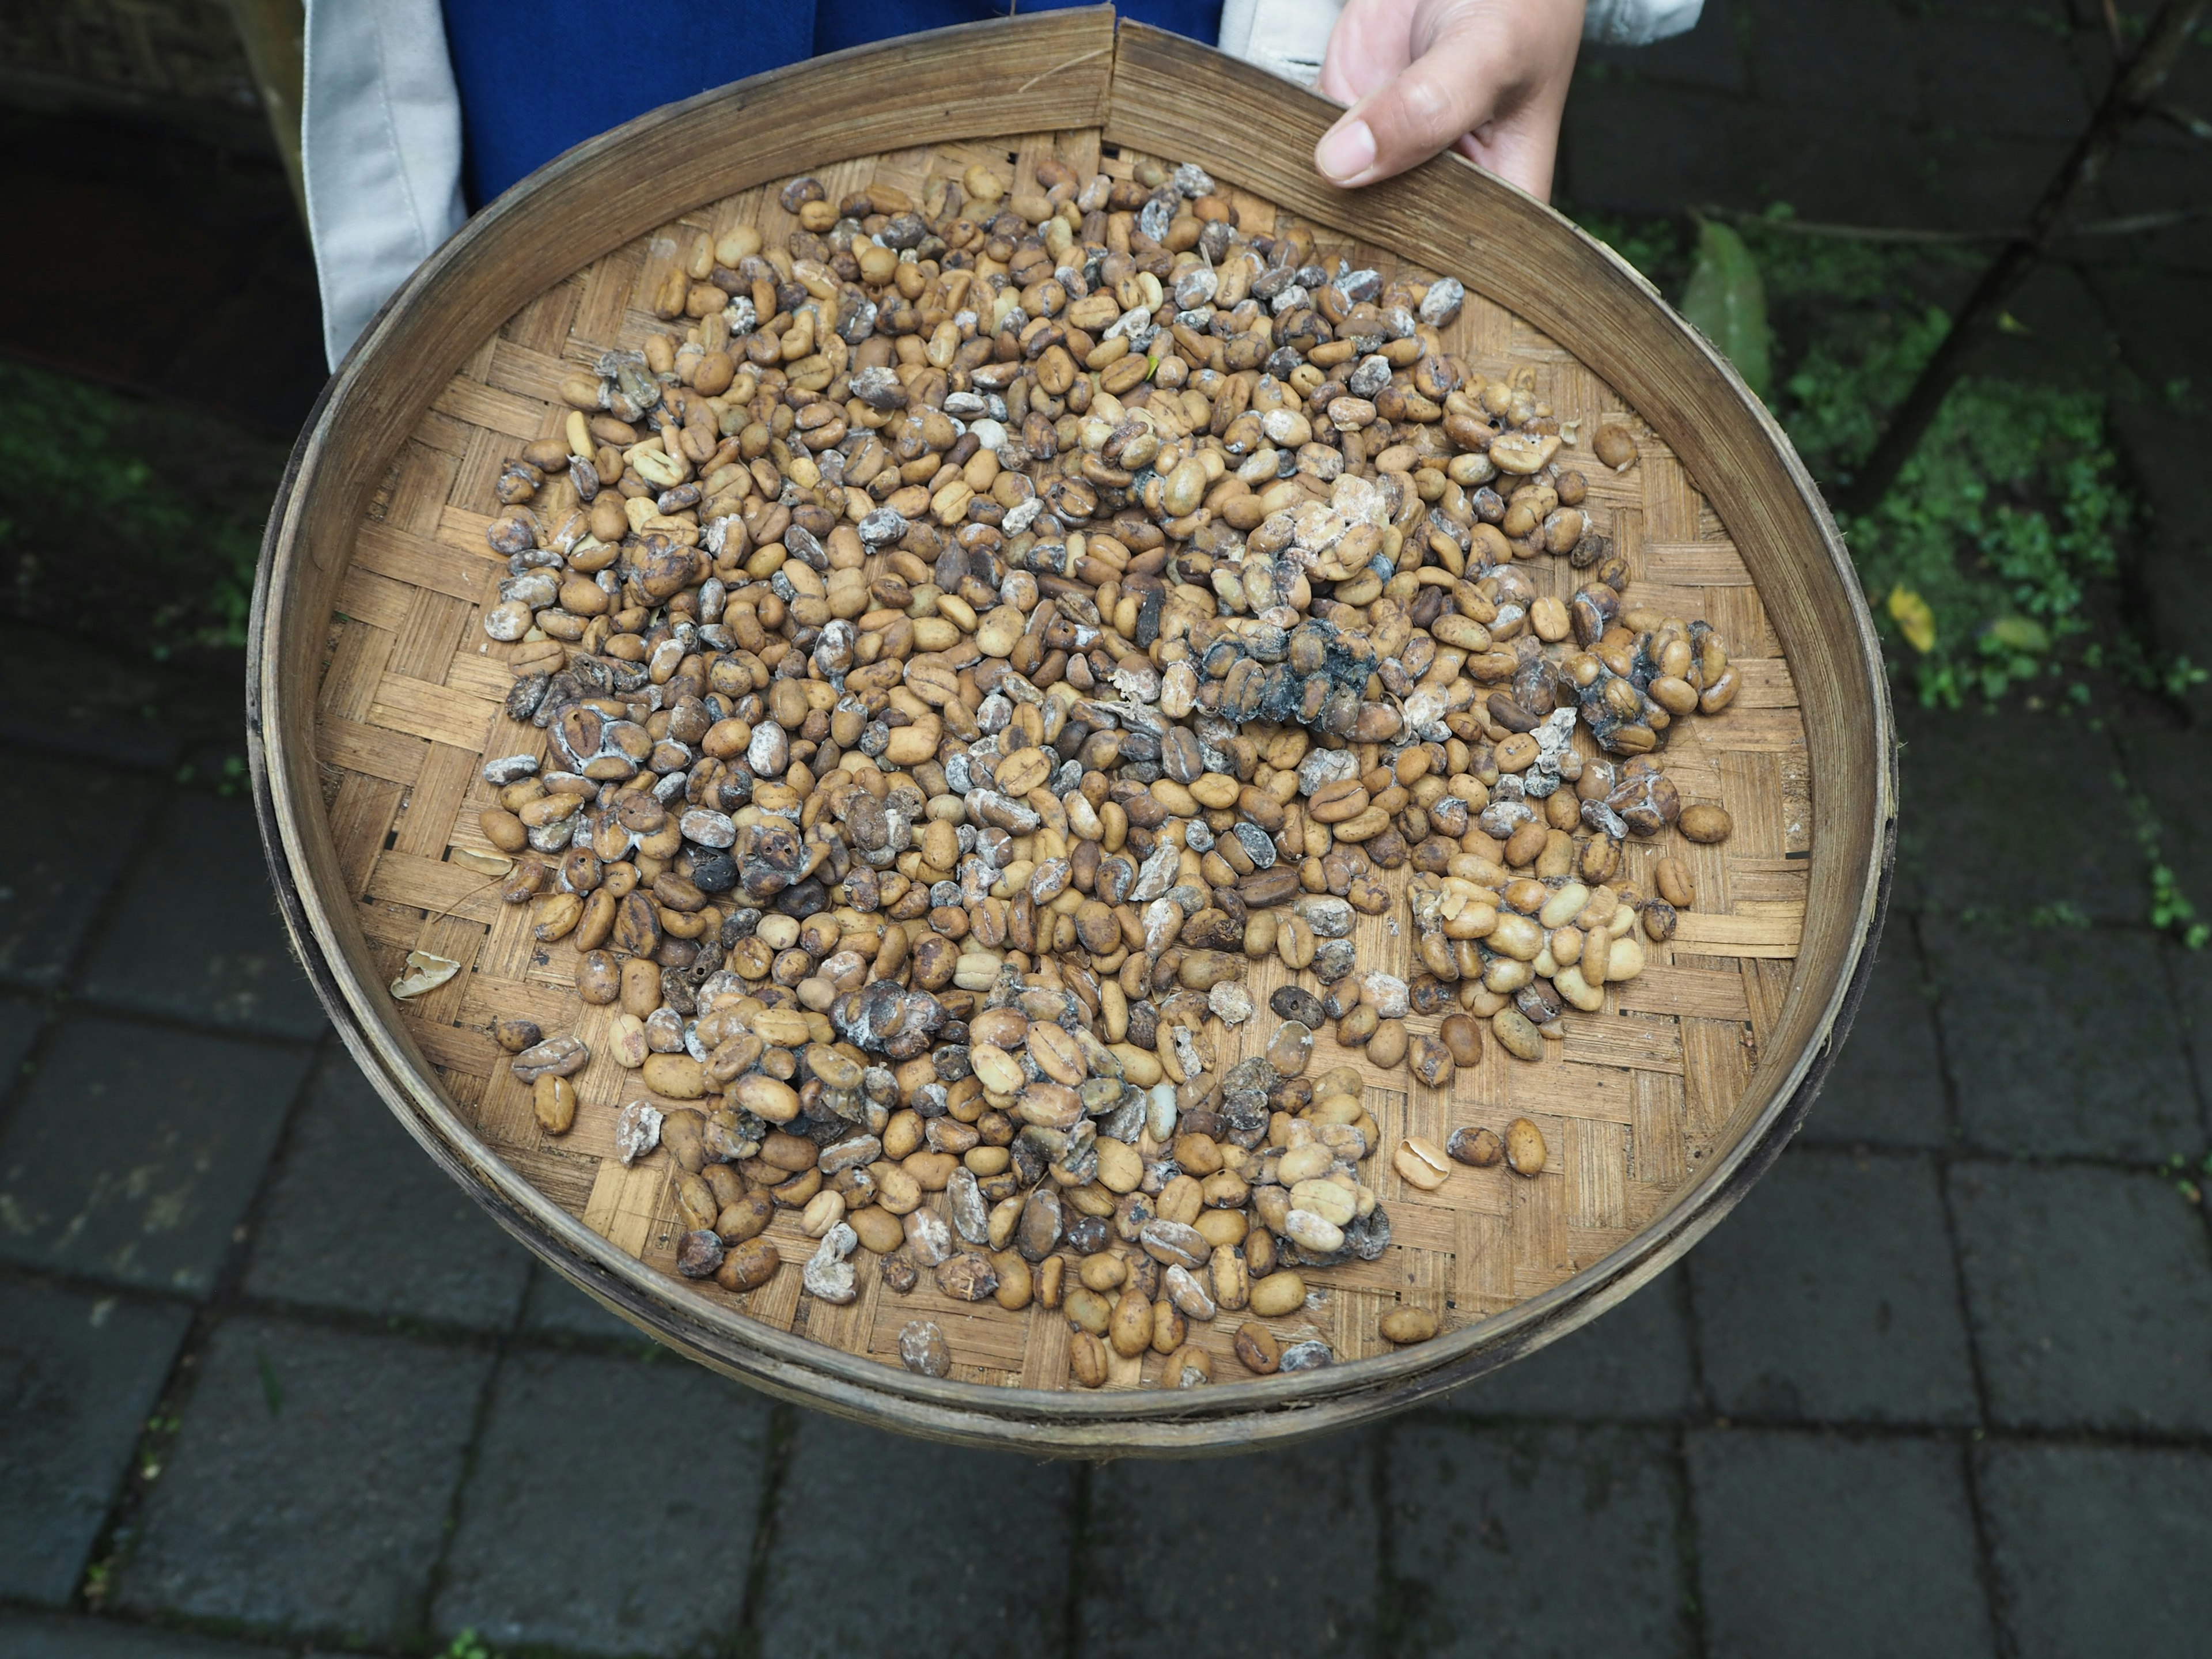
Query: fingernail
<point x="1346" y="151"/>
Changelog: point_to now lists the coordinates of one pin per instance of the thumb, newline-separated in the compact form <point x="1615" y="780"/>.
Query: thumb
<point x="1456" y="86"/>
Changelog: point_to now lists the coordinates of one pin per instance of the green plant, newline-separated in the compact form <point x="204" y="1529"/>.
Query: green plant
<point x="469" y="1645"/>
<point x="1998" y="523"/>
<point x="101" y="491"/>
<point x="2171" y="910"/>
<point x="1727" y="300"/>
<point x="2186" y="1181"/>
<point x="1980" y="562"/>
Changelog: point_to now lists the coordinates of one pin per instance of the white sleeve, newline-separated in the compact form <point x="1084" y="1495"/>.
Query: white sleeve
<point x="380" y="145"/>
<point x="1639" y="23"/>
<point x="1289" y="37"/>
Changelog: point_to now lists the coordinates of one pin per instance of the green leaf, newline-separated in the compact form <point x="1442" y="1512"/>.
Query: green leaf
<point x="1727" y="300"/>
<point x="273" y="1391"/>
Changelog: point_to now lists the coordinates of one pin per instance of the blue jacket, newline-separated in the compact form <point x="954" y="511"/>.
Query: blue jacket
<point x="535" y="80"/>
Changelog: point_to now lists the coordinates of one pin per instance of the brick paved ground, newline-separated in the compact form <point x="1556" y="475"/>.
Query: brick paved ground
<point x="1942" y="1385"/>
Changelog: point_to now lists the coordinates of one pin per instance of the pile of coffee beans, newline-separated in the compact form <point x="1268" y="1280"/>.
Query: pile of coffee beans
<point x="968" y="637"/>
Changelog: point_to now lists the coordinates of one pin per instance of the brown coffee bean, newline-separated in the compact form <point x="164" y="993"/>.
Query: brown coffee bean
<point x="1462" y="1038"/>
<point x="515" y="1034"/>
<point x="749" y="1266"/>
<point x="1705" y="824"/>
<point x="1482" y="1149"/>
<point x="553" y="1098"/>
<point x="1525" y="1152"/>
<point x="1257" y="1349"/>
<point x="1404" y="1325"/>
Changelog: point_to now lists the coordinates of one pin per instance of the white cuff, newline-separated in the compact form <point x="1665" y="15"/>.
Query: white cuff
<point x="380" y="145"/>
<point x="1639" y="23"/>
<point x="1289" y="38"/>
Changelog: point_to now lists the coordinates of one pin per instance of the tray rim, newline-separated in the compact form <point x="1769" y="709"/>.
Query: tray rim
<point x="1225" y="1417"/>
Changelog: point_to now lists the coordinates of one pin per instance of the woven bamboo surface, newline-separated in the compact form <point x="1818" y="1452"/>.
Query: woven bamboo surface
<point x="1632" y="1102"/>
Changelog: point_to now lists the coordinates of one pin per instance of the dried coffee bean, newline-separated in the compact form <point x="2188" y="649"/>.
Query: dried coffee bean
<point x="1478" y="1148"/>
<point x="1525" y="1152"/>
<point x="923" y="1349"/>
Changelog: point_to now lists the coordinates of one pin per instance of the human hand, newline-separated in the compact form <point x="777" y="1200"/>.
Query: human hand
<point x="1486" y="77"/>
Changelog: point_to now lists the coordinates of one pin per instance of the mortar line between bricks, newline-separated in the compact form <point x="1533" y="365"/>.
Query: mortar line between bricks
<point x="1687" y="1557"/>
<point x="433" y="1583"/>
<point x="59" y="995"/>
<point x="353" y="1321"/>
<point x="218" y="689"/>
<point x="2130" y="1439"/>
<point x="70" y="1005"/>
<point x="1079" y="1553"/>
<point x="1702" y="1402"/>
<point x="1977" y="1504"/>
<point x="177" y="1388"/>
<point x="745" y="1642"/>
<point x="1386" y="1628"/>
<point x="299" y="1648"/>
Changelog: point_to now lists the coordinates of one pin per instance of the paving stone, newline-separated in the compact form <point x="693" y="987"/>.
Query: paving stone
<point x="899" y="1504"/>
<point x="1154" y="1572"/>
<point x="2090" y="1291"/>
<point x="2063" y="1041"/>
<point x="556" y="1308"/>
<point x="55" y="883"/>
<point x="1814" y="1544"/>
<point x="1830" y="1295"/>
<point x="78" y="1374"/>
<point x="2101" y="1549"/>
<point x="308" y="1489"/>
<point x="18" y="1028"/>
<point x="1886" y="1088"/>
<point x="666" y="1458"/>
<point x="1967" y="841"/>
<point x="1527" y="1541"/>
<point x="64" y="693"/>
<point x="360" y="1219"/>
<point x="1631" y="1361"/>
<point x="196" y="937"/>
<point x="54" y="1635"/>
<point x="135" y="1151"/>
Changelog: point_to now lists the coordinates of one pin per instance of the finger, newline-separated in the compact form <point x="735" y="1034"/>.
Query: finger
<point x="1370" y="42"/>
<point x="1447" y="92"/>
<point x="1522" y="150"/>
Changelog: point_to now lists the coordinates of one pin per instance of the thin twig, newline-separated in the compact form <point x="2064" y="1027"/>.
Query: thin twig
<point x="2112" y="32"/>
<point x="2136" y="222"/>
<point x="2133" y="93"/>
<point x="1851" y="233"/>
<point x="2195" y="125"/>
<point x="2132" y="225"/>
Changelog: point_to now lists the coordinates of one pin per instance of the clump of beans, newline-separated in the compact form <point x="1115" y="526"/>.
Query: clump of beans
<point x="973" y="632"/>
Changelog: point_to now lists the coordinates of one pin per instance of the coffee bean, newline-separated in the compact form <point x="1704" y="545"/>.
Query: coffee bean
<point x="1478" y="1148"/>
<point x="1525" y="1152"/>
<point x="1406" y="1325"/>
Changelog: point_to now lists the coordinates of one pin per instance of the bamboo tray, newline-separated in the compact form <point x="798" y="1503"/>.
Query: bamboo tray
<point x="374" y="697"/>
